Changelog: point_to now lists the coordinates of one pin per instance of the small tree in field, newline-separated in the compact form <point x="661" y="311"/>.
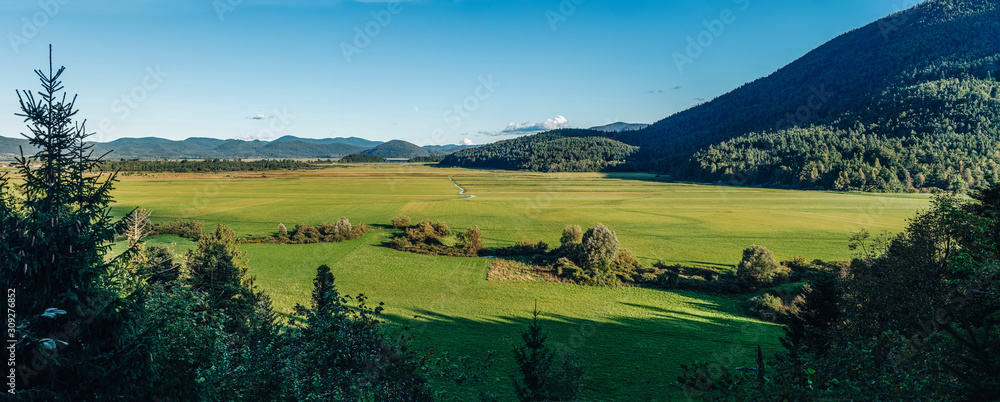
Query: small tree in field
<point x="282" y="231"/>
<point x="600" y="247"/>
<point x="342" y="227"/>
<point x="758" y="266"/>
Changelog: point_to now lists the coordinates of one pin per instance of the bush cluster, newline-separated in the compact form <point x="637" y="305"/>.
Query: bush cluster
<point x="336" y="232"/>
<point x="433" y="238"/>
<point x="523" y="248"/>
<point x="190" y="229"/>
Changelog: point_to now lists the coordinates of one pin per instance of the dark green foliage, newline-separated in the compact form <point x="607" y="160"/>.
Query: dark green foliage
<point x="810" y="329"/>
<point x="189" y="338"/>
<point x="758" y="267"/>
<point x="429" y="238"/>
<point x="198" y="166"/>
<point x="397" y="149"/>
<point x="572" y="234"/>
<point x="322" y="286"/>
<point x="554" y="151"/>
<point x="343" y="353"/>
<point x="74" y="335"/>
<point x="158" y="265"/>
<point x="877" y="151"/>
<point x="191" y="229"/>
<point x="362" y="158"/>
<point x="523" y="248"/>
<point x="775" y="306"/>
<point x="427" y="159"/>
<point x="540" y="377"/>
<point x="219" y="269"/>
<point x="340" y="231"/>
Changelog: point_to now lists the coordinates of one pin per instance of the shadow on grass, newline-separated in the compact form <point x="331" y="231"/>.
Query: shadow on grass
<point x="634" y="355"/>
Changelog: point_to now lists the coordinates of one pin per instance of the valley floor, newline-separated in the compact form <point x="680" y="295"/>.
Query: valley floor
<point x="630" y="341"/>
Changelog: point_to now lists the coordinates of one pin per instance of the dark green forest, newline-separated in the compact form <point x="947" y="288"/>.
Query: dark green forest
<point x="907" y="103"/>
<point x="556" y="151"/>
<point x="362" y="158"/>
<point x="199" y="166"/>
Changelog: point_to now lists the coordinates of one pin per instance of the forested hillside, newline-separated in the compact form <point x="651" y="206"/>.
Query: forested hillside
<point x="906" y="102"/>
<point x="398" y="149"/>
<point x="555" y="151"/>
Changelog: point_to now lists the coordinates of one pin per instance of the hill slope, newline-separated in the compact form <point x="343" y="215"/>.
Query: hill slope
<point x="397" y="149"/>
<point x="554" y="151"/>
<point x="911" y="95"/>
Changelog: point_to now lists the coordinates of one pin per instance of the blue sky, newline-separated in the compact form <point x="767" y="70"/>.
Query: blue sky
<point x="430" y="72"/>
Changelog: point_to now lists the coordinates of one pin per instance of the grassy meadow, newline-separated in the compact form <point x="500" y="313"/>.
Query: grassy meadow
<point x="629" y="340"/>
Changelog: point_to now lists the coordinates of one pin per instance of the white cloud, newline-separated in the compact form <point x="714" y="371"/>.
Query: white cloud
<point x="558" y="122"/>
<point x="259" y="117"/>
<point x="466" y="141"/>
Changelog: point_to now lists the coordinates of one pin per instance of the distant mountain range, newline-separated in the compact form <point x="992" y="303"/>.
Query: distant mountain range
<point x="910" y="102"/>
<point x="287" y="147"/>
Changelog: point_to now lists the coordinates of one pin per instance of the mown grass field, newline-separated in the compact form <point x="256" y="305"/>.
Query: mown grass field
<point x="631" y="341"/>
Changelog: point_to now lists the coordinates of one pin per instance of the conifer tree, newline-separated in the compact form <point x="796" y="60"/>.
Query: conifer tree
<point x="55" y="233"/>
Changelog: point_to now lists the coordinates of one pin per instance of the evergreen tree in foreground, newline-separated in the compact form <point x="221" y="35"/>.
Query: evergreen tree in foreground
<point x="55" y="232"/>
<point x="538" y="380"/>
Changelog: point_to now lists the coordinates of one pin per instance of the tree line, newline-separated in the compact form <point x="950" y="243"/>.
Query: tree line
<point x="199" y="166"/>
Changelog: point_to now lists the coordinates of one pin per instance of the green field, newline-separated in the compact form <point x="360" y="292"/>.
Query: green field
<point x="630" y="340"/>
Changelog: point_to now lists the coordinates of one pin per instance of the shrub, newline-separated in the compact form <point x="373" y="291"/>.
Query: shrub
<point x="572" y="234"/>
<point x="282" y="231"/>
<point x="758" y="267"/>
<point x="472" y="240"/>
<point x="565" y="266"/>
<point x="524" y="247"/>
<point x="190" y="229"/>
<point x="627" y="261"/>
<point x="668" y="280"/>
<point x="342" y="227"/>
<point x="400" y="222"/>
<point x="600" y="247"/>
<point x="441" y="229"/>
